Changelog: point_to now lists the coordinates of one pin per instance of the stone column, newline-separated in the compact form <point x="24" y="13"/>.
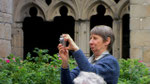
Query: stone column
<point x="17" y="39"/>
<point x="140" y="30"/>
<point x="6" y="7"/>
<point x="117" y="46"/>
<point x="82" y="28"/>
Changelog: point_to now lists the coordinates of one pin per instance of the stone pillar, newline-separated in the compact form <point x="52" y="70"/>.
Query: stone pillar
<point x="6" y="7"/>
<point x="117" y="46"/>
<point x="17" y="40"/>
<point x="82" y="28"/>
<point x="140" y="30"/>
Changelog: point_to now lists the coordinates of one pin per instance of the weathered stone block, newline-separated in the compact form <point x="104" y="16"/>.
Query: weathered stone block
<point x="17" y="38"/>
<point x="140" y="38"/>
<point x="0" y="19"/>
<point x="1" y="16"/>
<point x="6" y="6"/>
<point x="138" y="11"/>
<point x="7" y="18"/>
<point x="8" y="31"/>
<point x="146" y="23"/>
<point x="140" y="1"/>
<point x="135" y="23"/>
<point x="2" y="31"/>
<point x="146" y="55"/>
<point x="5" y="31"/>
<point x="136" y="53"/>
<point x="0" y="5"/>
<point x="5" y="48"/>
<point x="18" y="52"/>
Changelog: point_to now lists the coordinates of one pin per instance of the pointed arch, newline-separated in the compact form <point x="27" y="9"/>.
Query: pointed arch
<point x="90" y="9"/>
<point x="54" y="9"/>
<point x="123" y="8"/>
<point x="22" y="11"/>
<point x="23" y="7"/>
<point x="123" y="29"/>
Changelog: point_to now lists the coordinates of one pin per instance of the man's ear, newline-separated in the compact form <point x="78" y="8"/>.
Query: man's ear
<point x="108" y="41"/>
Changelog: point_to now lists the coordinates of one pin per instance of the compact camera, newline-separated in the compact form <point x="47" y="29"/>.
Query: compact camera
<point x="62" y="41"/>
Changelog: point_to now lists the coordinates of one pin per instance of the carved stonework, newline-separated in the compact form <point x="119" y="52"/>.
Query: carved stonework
<point x="13" y="13"/>
<point x="81" y="11"/>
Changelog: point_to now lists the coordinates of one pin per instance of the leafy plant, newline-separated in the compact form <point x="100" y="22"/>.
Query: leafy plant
<point x="45" y="69"/>
<point x="40" y="69"/>
<point x="133" y="71"/>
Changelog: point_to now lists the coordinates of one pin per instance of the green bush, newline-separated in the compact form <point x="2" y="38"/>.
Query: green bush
<point x="45" y="69"/>
<point x="133" y="71"/>
<point x="41" y="71"/>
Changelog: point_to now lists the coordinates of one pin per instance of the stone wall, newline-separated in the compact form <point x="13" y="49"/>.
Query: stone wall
<point x="80" y="10"/>
<point x="5" y="27"/>
<point x="140" y="30"/>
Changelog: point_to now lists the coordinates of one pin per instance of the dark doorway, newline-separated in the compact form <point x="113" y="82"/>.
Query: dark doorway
<point x="31" y="27"/>
<point x="45" y="34"/>
<point x="64" y="23"/>
<point x="126" y="37"/>
<point x="100" y="18"/>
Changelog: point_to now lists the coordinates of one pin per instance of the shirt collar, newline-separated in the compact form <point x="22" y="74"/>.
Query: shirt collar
<point x="102" y="55"/>
<point x="91" y="59"/>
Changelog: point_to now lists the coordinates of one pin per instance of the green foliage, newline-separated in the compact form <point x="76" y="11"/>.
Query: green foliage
<point x="41" y="71"/>
<point x="133" y="71"/>
<point x="45" y="69"/>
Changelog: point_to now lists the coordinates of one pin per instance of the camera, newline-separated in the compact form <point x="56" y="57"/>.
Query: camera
<point x="62" y="41"/>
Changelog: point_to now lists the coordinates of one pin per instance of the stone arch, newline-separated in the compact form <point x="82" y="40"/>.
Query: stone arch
<point x="54" y="10"/>
<point x="123" y="8"/>
<point x="20" y="13"/>
<point x="90" y="9"/>
<point x="23" y="8"/>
